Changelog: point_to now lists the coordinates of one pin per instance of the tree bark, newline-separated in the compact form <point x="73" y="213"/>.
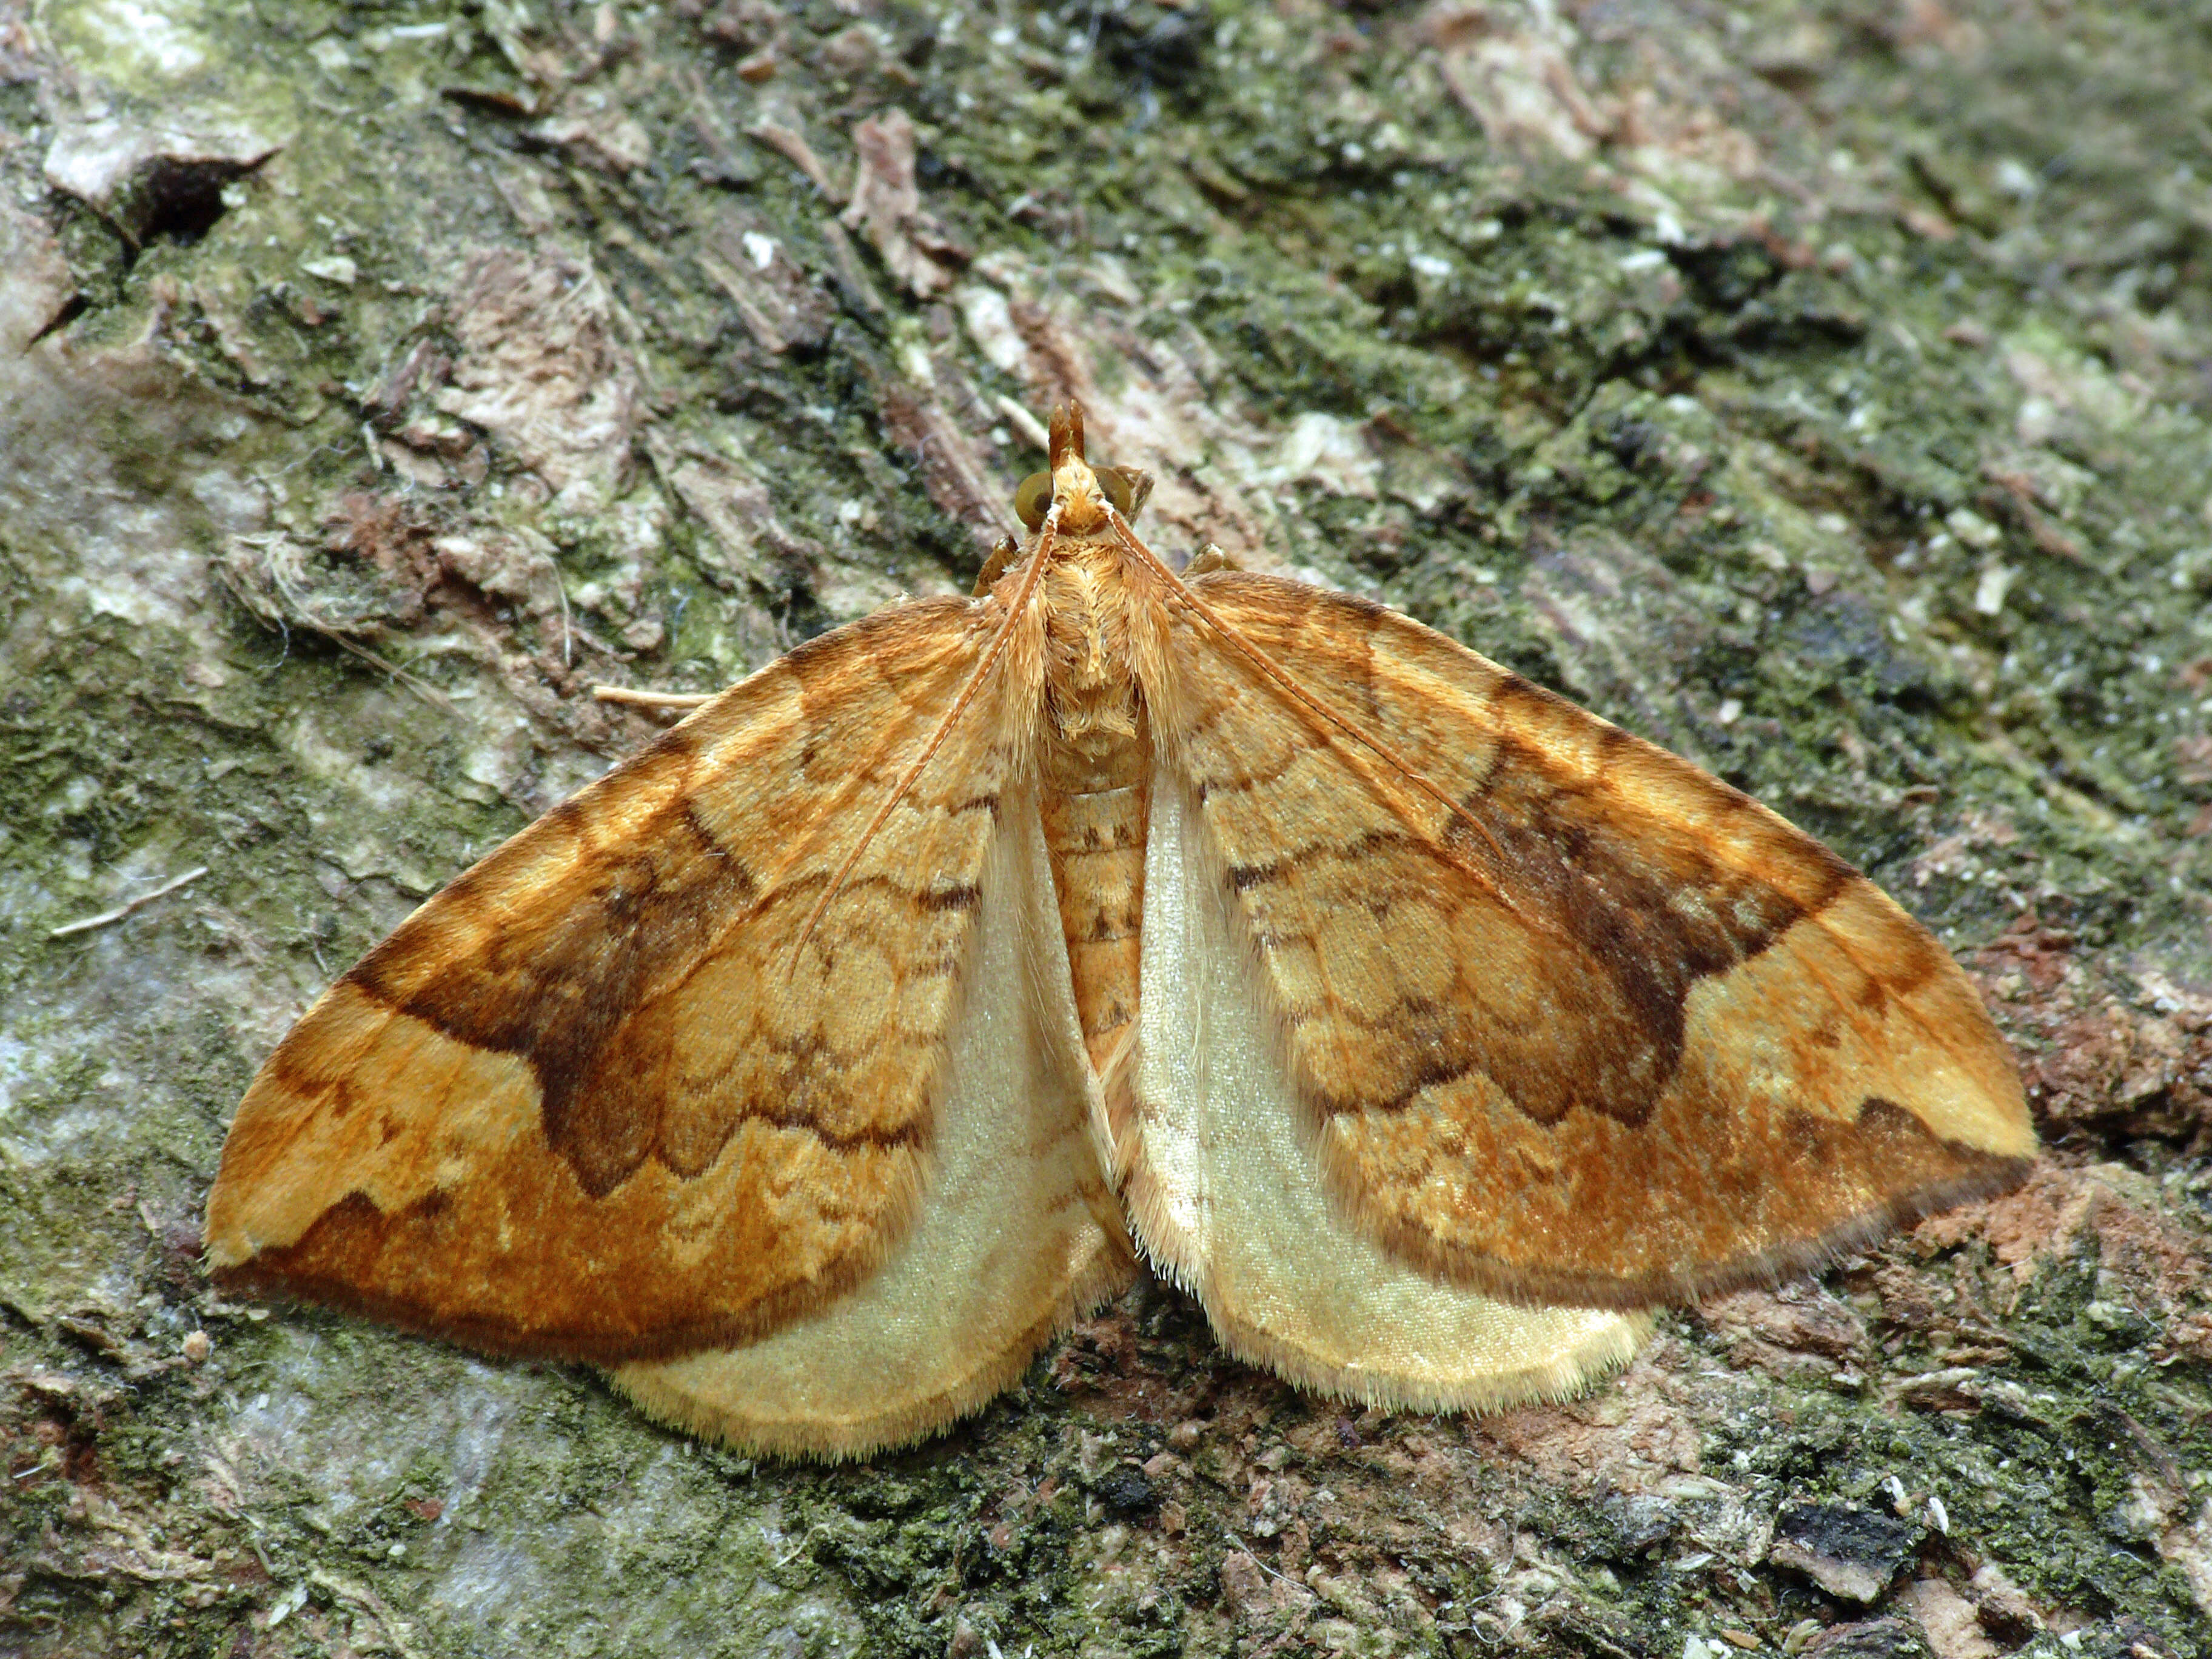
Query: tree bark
<point x="1821" y="391"/>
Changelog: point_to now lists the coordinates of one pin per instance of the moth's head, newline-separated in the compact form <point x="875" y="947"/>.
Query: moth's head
<point x="1082" y="491"/>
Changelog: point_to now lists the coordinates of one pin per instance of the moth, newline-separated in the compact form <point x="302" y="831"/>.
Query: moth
<point x="813" y="1067"/>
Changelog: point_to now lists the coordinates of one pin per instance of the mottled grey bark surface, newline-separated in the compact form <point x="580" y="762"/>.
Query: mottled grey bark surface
<point x="1820" y="390"/>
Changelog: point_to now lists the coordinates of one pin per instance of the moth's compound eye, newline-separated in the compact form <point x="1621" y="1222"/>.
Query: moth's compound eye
<point x="1032" y="500"/>
<point x="1115" y="484"/>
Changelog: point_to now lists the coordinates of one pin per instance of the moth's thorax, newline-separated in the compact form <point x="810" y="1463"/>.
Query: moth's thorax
<point x="1089" y="598"/>
<point x="1094" y="778"/>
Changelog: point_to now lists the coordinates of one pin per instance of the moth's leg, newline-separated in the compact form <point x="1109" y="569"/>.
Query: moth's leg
<point x="1004" y="552"/>
<point x="683" y="700"/>
<point x="1208" y="559"/>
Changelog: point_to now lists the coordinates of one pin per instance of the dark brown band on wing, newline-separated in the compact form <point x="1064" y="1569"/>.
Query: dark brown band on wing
<point x="1612" y="900"/>
<point x="573" y="995"/>
<point x="642" y="910"/>
<point x="1628" y="950"/>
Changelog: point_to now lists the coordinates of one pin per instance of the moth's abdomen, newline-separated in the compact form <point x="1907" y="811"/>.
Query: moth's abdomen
<point x="1096" y="794"/>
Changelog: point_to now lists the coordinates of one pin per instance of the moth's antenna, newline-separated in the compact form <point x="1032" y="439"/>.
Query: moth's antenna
<point x="1312" y="705"/>
<point x="1046" y="531"/>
